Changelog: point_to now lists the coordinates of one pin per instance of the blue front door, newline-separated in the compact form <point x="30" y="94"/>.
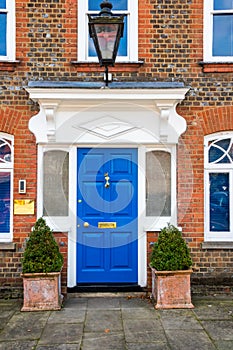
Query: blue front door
<point x="107" y="246"/>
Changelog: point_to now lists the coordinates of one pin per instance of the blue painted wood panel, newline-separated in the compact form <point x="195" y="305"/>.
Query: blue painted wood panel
<point x="107" y="255"/>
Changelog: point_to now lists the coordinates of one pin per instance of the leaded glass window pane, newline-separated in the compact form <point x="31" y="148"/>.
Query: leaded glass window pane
<point x="158" y="183"/>
<point x="56" y="183"/>
<point x="221" y="151"/>
<point x="5" y="151"/>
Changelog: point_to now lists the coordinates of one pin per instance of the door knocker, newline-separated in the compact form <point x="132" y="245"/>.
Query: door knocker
<point x="107" y="178"/>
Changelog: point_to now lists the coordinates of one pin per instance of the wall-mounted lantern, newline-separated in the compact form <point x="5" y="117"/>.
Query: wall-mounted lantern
<point x="106" y="30"/>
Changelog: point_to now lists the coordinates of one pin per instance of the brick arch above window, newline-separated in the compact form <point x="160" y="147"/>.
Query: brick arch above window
<point x="216" y="119"/>
<point x="11" y="118"/>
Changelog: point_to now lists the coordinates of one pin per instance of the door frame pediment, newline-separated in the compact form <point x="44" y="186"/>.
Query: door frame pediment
<point x="75" y="109"/>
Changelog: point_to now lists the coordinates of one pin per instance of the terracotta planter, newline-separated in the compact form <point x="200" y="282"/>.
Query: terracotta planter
<point x="42" y="291"/>
<point x="171" y="289"/>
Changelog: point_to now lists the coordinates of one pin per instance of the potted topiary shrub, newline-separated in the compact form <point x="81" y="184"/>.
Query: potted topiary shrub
<point x="171" y="270"/>
<point x="41" y="269"/>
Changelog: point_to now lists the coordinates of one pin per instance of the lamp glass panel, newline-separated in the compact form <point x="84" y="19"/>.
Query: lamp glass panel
<point x="123" y="46"/>
<point x="106" y="38"/>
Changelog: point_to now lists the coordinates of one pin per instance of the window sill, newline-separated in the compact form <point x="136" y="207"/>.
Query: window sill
<point x="217" y="245"/>
<point x="217" y="67"/>
<point x="8" y="66"/>
<point x="127" y="66"/>
<point x="7" y="246"/>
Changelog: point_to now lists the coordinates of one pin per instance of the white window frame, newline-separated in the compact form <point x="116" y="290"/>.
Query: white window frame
<point x="208" y="33"/>
<point x="155" y="223"/>
<point x="212" y="236"/>
<point x="60" y="223"/>
<point x="8" y="167"/>
<point x="132" y="32"/>
<point x="10" y="31"/>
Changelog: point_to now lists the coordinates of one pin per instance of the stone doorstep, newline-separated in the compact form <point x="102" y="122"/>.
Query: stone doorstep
<point x="109" y="295"/>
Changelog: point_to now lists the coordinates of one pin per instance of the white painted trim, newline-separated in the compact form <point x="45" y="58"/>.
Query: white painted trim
<point x="161" y="102"/>
<point x="62" y="95"/>
<point x="142" y="238"/>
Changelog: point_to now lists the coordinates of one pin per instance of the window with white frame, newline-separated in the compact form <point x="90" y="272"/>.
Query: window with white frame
<point x="128" y="48"/>
<point x="6" y="185"/>
<point x="218" y="30"/>
<point x="219" y="187"/>
<point x="7" y="32"/>
<point x="160" y="165"/>
<point x="56" y="183"/>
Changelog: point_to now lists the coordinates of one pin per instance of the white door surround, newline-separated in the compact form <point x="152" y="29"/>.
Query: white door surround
<point x="72" y="117"/>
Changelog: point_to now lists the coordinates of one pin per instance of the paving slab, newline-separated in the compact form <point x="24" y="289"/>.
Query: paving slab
<point x="18" y="345"/>
<point x="213" y="311"/>
<point x="68" y="315"/>
<point x="148" y="346"/>
<point x="224" y="345"/>
<point x="103" y="303"/>
<point x="76" y="303"/>
<point x="59" y="347"/>
<point x="219" y="329"/>
<point x="191" y="340"/>
<point x="139" y="313"/>
<point x="179" y="319"/>
<point x="24" y="326"/>
<point x="143" y="331"/>
<point x="101" y="320"/>
<point x="110" y="340"/>
<point x="61" y="334"/>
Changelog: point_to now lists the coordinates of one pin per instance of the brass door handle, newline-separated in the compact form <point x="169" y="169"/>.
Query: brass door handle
<point x="86" y="224"/>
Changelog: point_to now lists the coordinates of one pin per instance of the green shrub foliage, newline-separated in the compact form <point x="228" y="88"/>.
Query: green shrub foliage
<point x="42" y="252"/>
<point x="171" y="252"/>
